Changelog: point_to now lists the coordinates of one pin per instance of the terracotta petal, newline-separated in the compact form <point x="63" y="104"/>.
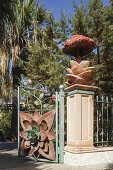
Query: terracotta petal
<point x="51" y="154"/>
<point x="88" y="75"/>
<point x="40" y="144"/>
<point x="51" y="135"/>
<point x="48" y="118"/>
<point x="25" y="117"/>
<point x="84" y="63"/>
<point x="44" y="125"/>
<point x="69" y="71"/>
<point x="34" y="124"/>
<point x="43" y="135"/>
<point x="79" y="81"/>
<point x="73" y="62"/>
<point x="77" y="69"/>
<point x="36" y="115"/>
<point x="24" y="149"/>
<point x="27" y="144"/>
<point x="46" y="147"/>
<point x="89" y="82"/>
<point x="68" y="84"/>
<point x="23" y="134"/>
<point x="71" y="77"/>
<point x="90" y="69"/>
<point x="27" y="125"/>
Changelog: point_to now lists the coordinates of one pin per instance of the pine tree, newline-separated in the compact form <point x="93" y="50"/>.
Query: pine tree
<point x="96" y="23"/>
<point x="106" y="70"/>
<point x="46" y="60"/>
<point x="80" y="20"/>
<point x="63" y="30"/>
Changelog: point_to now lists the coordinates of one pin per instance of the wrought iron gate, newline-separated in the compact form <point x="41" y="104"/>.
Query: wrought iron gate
<point x="40" y="124"/>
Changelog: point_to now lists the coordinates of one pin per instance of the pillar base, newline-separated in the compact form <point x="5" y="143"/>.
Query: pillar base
<point x="77" y="150"/>
<point x="80" y="106"/>
<point x="88" y="156"/>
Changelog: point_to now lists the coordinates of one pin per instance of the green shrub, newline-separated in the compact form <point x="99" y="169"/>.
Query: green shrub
<point x="5" y="124"/>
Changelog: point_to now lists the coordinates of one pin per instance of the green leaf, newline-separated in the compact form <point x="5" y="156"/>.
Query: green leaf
<point x="33" y="135"/>
<point x="30" y="134"/>
<point x="34" y="129"/>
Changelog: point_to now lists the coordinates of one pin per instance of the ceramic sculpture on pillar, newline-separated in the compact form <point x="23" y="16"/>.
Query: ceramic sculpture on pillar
<point x="80" y="102"/>
<point x="80" y="72"/>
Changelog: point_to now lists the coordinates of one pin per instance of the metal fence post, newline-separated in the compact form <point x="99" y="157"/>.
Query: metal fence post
<point x="112" y="119"/>
<point x="18" y="121"/>
<point x="61" y="124"/>
<point x="56" y="126"/>
<point x="97" y="118"/>
<point x="102" y="99"/>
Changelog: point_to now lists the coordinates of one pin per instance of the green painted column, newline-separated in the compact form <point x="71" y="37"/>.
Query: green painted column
<point x="61" y="124"/>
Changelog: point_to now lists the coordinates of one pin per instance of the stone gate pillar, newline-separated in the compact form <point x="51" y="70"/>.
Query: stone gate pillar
<point x="80" y="109"/>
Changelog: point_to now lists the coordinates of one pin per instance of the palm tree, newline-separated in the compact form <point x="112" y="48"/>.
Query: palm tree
<point x="6" y="12"/>
<point x="6" y="17"/>
<point x="29" y="15"/>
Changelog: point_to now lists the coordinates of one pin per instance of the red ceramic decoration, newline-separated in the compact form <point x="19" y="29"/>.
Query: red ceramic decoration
<point x="78" y="45"/>
<point x="29" y="82"/>
<point x="53" y="96"/>
<point x="42" y="89"/>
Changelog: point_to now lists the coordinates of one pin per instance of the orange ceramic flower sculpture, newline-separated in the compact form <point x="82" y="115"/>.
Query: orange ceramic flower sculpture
<point x="36" y="135"/>
<point x="79" y="73"/>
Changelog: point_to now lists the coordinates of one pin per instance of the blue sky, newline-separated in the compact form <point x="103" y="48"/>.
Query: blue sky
<point x="66" y="5"/>
<point x="57" y="5"/>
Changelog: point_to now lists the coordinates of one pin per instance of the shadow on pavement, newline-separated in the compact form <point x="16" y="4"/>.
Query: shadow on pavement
<point x="8" y="145"/>
<point x="9" y="160"/>
<point x="109" y="166"/>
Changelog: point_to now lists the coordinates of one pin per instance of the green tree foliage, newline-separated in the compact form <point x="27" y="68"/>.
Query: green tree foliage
<point x="63" y="30"/>
<point x="80" y="20"/>
<point x="106" y="70"/>
<point x="5" y="124"/>
<point x="6" y="12"/>
<point x="46" y="60"/>
<point x="44" y="67"/>
<point x="94" y="20"/>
